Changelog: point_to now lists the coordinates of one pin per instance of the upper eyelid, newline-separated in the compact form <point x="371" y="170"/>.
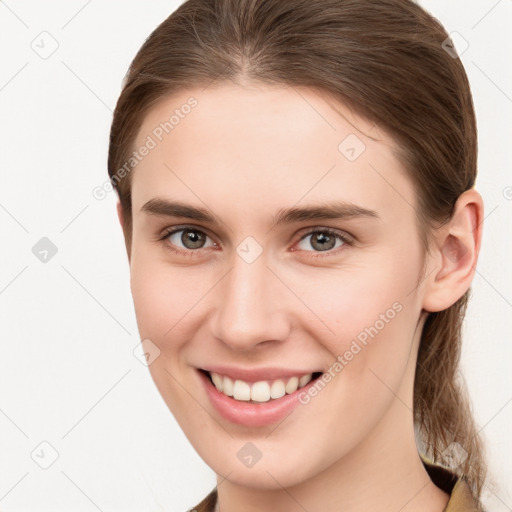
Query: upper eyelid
<point x="174" y="229"/>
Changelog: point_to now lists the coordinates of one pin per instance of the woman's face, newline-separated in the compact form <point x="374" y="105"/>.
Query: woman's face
<point x="255" y="290"/>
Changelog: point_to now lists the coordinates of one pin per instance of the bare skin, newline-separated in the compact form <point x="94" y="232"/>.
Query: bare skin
<point x="244" y="153"/>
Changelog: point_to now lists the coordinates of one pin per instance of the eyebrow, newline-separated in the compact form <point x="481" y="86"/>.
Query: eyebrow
<point x="332" y="210"/>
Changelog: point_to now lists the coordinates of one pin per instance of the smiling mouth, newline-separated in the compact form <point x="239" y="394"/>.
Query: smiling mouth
<point x="261" y="391"/>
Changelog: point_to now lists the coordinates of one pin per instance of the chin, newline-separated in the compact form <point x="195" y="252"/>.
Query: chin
<point x="273" y="471"/>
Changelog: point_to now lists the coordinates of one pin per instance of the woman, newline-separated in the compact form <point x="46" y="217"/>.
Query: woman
<point x="296" y="185"/>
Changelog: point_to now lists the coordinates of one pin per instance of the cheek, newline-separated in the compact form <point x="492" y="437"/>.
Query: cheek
<point x="161" y="297"/>
<point x="357" y="302"/>
<point x="370" y="376"/>
<point x="164" y="301"/>
<point x="171" y="306"/>
<point x="371" y="314"/>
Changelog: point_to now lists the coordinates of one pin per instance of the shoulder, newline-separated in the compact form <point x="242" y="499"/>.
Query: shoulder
<point x="461" y="498"/>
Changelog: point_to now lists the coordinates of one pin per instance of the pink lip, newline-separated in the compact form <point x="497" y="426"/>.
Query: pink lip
<point x="256" y="374"/>
<point x="252" y="414"/>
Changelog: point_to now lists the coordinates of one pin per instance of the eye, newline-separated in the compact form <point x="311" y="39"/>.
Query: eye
<point x="324" y="240"/>
<point x="186" y="239"/>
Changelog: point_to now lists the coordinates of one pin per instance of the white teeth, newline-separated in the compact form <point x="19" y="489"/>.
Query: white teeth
<point x="277" y="390"/>
<point x="227" y="385"/>
<point x="241" y="390"/>
<point x="305" y="379"/>
<point x="217" y="380"/>
<point x="261" y="391"/>
<point x="292" y="385"/>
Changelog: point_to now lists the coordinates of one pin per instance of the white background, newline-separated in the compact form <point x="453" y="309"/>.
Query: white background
<point x="68" y="373"/>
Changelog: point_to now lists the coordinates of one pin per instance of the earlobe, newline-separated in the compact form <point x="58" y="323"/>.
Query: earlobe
<point x="457" y="248"/>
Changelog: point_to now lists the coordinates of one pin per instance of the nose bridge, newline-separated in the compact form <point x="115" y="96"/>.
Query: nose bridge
<point x="248" y="312"/>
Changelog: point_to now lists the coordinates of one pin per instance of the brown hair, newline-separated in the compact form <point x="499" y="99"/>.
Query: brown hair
<point x="386" y="60"/>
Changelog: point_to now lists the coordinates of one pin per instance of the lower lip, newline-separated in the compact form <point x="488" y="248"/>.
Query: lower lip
<point x="252" y="414"/>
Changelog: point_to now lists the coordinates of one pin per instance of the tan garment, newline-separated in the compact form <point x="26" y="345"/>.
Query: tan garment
<point x="461" y="499"/>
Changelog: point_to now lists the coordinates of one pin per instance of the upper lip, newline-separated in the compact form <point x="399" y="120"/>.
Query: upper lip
<point x="256" y="374"/>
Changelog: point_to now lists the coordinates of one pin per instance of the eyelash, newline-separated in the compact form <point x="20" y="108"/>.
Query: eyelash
<point x="191" y="253"/>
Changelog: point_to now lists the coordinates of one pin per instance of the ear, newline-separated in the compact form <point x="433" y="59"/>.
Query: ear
<point x="120" y="215"/>
<point x="457" y="245"/>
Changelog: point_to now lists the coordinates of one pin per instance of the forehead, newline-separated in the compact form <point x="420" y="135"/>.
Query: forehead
<point x="264" y="145"/>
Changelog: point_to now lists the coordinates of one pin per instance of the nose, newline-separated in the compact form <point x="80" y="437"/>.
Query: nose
<point x="250" y="306"/>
